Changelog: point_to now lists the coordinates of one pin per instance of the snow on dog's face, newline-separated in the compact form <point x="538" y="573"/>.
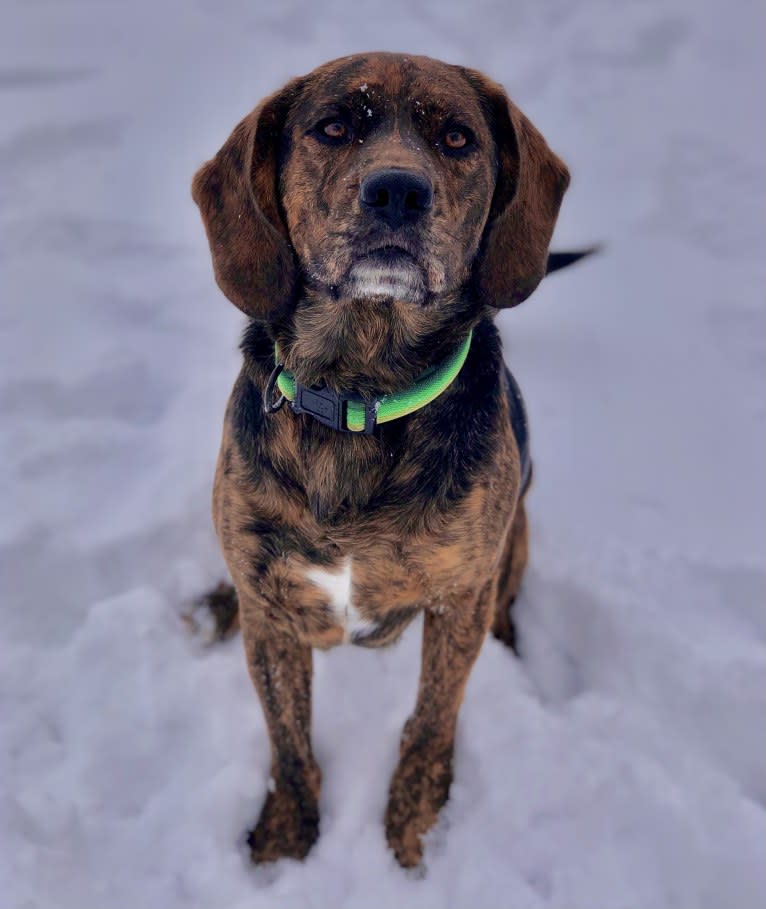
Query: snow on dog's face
<point x="372" y="210"/>
<point x="387" y="177"/>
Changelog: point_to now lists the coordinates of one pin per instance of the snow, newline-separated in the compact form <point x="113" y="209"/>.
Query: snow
<point x="622" y="762"/>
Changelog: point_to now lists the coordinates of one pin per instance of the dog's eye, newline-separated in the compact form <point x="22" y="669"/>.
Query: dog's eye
<point x="333" y="131"/>
<point x="458" y="140"/>
<point x="455" y="139"/>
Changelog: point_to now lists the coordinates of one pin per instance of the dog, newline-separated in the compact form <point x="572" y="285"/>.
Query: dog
<point x="371" y="218"/>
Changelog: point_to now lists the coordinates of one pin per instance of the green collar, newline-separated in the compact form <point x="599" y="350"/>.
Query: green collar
<point x="352" y="413"/>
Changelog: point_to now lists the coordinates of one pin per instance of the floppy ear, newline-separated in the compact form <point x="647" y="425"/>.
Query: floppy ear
<point x="237" y="194"/>
<point x="531" y="182"/>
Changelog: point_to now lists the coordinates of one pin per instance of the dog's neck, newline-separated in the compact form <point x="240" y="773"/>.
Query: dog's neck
<point x="342" y="473"/>
<point x="371" y="346"/>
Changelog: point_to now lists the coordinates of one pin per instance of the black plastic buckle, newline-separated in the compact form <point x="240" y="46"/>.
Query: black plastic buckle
<point x="330" y="407"/>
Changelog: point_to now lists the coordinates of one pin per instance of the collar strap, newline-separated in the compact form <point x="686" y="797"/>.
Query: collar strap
<point x="350" y="412"/>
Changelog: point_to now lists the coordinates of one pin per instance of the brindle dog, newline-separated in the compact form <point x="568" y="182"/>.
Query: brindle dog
<point x="366" y="218"/>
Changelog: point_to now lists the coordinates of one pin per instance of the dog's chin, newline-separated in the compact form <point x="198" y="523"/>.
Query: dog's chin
<point x="385" y="277"/>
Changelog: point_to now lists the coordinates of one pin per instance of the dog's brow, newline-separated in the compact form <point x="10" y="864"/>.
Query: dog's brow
<point x="438" y="109"/>
<point x="365" y="93"/>
<point x="354" y="99"/>
<point x="329" y="109"/>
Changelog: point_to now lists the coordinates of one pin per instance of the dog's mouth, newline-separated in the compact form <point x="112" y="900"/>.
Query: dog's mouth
<point x="388" y="272"/>
<point x="393" y="253"/>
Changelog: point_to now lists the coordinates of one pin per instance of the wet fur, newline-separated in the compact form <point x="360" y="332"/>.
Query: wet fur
<point x="428" y="508"/>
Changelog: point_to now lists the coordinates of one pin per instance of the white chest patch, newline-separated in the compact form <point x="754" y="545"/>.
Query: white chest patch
<point x="338" y="586"/>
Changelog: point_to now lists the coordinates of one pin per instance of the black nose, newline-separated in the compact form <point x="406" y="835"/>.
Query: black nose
<point x="396" y="195"/>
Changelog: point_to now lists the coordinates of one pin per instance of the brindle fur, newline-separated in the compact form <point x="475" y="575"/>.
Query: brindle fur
<point x="428" y="507"/>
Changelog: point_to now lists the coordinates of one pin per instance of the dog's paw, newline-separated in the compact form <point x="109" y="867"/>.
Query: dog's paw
<point x="214" y="616"/>
<point x="287" y="828"/>
<point x="419" y="788"/>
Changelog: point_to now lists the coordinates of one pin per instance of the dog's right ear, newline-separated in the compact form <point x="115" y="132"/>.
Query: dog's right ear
<point x="237" y="194"/>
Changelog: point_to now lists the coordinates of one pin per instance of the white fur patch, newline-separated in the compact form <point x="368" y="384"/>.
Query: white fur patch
<point x="338" y="586"/>
<point x="372" y="279"/>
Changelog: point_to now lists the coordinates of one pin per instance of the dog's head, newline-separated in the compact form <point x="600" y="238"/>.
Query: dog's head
<point x="371" y="210"/>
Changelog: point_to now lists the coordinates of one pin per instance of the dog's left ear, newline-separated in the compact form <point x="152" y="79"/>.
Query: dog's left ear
<point x="237" y="194"/>
<point x="531" y="182"/>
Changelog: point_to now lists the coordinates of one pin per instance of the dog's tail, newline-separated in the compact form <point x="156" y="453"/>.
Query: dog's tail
<point x="559" y="260"/>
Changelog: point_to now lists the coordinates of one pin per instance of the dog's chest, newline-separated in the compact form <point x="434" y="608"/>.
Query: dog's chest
<point x="363" y="598"/>
<point x="338" y="586"/>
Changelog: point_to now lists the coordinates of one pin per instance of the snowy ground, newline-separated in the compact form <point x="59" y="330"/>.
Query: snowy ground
<point x="622" y="762"/>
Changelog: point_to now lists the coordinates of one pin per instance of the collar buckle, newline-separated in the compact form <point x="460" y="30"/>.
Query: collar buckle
<point x="330" y="407"/>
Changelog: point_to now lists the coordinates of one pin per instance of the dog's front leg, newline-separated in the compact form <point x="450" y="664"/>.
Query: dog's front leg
<point x="452" y="638"/>
<point x="281" y="667"/>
